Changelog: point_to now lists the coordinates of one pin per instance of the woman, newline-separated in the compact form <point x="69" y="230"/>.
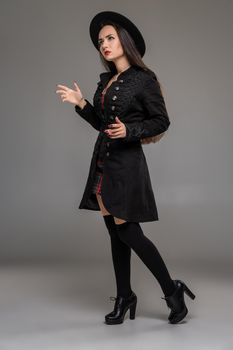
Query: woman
<point x="128" y="110"/>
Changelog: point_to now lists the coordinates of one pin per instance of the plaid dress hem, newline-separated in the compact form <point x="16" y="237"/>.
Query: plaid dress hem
<point x="98" y="177"/>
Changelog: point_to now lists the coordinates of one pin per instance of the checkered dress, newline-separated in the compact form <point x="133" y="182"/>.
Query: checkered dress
<point x="98" y="177"/>
<point x="99" y="165"/>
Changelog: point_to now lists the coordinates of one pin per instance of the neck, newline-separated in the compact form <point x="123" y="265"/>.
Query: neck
<point x="122" y="70"/>
<point x="121" y="65"/>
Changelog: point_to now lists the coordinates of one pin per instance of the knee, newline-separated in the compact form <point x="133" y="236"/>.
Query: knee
<point x="118" y="221"/>
<point x="110" y="224"/>
<point x="129" y="232"/>
<point x="122" y="232"/>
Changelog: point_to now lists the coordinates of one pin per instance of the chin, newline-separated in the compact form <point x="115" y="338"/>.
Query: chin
<point x="109" y="59"/>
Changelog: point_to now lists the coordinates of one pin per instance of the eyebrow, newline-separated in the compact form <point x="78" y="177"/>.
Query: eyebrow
<point x="105" y="37"/>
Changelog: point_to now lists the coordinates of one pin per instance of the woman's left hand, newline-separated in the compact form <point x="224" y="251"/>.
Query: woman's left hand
<point x="116" y="130"/>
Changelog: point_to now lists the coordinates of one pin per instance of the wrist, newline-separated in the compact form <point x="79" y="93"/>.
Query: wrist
<point x="82" y="103"/>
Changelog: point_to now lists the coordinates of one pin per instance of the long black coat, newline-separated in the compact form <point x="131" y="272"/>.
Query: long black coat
<point x="135" y="97"/>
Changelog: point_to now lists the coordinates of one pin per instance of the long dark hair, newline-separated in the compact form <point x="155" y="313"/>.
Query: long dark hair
<point x="134" y="58"/>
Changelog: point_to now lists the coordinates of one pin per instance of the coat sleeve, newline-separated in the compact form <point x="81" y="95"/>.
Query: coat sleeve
<point x="88" y="113"/>
<point x="156" y="119"/>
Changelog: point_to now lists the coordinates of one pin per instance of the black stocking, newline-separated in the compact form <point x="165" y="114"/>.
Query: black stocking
<point x="131" y="234"/>
<point x="121" y="255"/>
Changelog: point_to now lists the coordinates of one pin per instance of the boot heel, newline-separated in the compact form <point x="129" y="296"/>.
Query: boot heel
<point x="188" y="292"/>
<point x="132" y="311"/>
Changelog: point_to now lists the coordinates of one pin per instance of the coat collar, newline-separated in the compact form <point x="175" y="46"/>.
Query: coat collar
<point x="106" y="76"/>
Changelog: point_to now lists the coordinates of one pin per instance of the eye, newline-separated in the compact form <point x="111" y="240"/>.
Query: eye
<point x="101" y="41"/>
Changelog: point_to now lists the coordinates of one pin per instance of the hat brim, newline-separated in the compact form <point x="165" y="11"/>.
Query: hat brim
<point x="118" y="18"/>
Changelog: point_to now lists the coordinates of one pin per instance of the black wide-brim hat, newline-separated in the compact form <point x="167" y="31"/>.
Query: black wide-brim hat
<point x="117" y="18"/>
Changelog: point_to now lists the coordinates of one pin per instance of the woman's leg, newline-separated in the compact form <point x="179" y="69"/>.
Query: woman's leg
<point x="131" y="234"/>
<point x="121" y="254"/>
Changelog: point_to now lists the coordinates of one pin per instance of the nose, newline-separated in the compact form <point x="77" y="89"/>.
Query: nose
<point x="104" y="46"/>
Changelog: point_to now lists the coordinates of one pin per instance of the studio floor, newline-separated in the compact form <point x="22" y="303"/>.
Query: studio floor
<point x="62" y="306"/>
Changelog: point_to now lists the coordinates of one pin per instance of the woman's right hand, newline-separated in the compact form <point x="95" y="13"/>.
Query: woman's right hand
<point x="69" y="95"/>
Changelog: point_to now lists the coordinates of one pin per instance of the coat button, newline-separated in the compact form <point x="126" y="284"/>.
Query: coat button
<point x="107" y="144"/>
<point x="121" y="80"/>
<point x="117" y="88"/>
<point x="111" y="117"/>
<point x="107" y="154"/>
<point x="114" y="97"/>
<point x="113" y="108"/>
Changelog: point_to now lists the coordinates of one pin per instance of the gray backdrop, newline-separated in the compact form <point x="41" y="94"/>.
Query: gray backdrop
<point x="46" y="147"/>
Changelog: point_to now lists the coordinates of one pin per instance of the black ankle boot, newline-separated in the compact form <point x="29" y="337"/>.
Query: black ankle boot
<point x="176" y="302"/>
<point x="121" y="306"/>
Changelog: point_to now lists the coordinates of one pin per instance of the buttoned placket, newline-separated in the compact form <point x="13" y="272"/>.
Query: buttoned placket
<point x="111" y="118"/>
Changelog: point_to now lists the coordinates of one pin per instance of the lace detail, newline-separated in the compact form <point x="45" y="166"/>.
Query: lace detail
<point x="102" y="98"/>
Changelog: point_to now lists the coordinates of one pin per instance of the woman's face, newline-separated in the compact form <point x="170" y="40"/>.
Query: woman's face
<point x="109" y="43"/>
